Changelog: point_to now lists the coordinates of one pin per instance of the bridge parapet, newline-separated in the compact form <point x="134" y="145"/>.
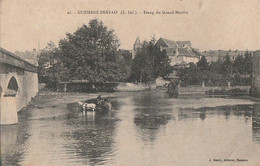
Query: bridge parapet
<point x="9" y="58"/>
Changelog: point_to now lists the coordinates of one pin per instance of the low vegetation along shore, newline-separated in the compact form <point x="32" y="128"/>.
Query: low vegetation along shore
<point x="183" y="90"/>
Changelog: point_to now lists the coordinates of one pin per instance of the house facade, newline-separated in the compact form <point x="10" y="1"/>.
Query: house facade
<point x="180" y="53"/>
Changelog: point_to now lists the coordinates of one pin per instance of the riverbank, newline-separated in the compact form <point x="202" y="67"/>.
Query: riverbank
<point x="236" y="90"/>
<point x="183" y="91"/>
<point x="49" y="100"/>
<point x="52" y="98"/>
<point x="132" y="87"/>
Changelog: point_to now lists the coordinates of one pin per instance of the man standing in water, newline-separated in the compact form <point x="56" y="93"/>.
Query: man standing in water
<point x="99" y="100"/>
<point x="173" y="88"/>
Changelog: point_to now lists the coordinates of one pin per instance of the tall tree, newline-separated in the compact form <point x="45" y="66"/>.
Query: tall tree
<point x="150" y="63"/>
<point x="48" y="68"/>
<point x="239" y="64"/>
<point x="124" y="64"/>
<point x="142" y="67"/>
<point x="91" y="53"/>
<point x="248" y="63"/>
<point x="227" y="66"/>
<point x="203" y="63"/>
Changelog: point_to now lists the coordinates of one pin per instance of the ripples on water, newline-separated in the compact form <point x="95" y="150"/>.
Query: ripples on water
<point x="143" y="128"/>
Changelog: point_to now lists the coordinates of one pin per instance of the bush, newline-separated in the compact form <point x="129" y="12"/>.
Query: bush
<point x="223" y="91"/>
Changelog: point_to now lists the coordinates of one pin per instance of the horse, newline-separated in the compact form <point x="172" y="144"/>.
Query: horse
<point x="87" y="106"/>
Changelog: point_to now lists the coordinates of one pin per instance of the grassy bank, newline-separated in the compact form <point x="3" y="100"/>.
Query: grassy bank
<point x="236" y="90"/>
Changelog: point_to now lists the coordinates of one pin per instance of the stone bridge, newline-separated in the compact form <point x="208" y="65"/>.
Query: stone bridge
<point x="18" y="85"/>
<point x="256" y="75"/>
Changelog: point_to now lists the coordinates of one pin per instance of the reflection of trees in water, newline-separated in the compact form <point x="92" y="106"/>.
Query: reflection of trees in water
<point x="150" y="99"/>
<point x="14" y="141"/>
<point x="92" y="138"/>
<point x="200" y="113"/>
<point x="243" y="110"/>
<point x="236" y="110"/>
<point x="256" y="123"/>
<point x="189" y="113"/>
<point x="149" y="121"/>
<point x="151" y="114"/>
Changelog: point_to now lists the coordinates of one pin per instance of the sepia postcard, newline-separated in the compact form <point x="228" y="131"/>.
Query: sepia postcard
<point x="130" y="82"/>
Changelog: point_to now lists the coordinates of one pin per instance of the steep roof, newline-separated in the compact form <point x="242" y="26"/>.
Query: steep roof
<point x="181" y="43"/>
<point x="186" y="52"/>
<point x="174" y="44"/>
<point x="170" y="43"/>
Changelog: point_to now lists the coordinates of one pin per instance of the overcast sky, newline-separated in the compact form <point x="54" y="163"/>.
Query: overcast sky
<point x="214" y="24"/>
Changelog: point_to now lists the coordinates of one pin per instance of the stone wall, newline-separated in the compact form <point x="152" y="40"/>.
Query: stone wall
<point x="256" y="75"/>
<point x="27" y="88"/>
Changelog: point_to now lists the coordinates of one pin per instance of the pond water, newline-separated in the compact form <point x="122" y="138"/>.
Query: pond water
<point x="144" y="128"/>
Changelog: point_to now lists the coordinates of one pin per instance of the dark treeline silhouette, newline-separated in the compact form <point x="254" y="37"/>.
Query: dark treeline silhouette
<point x="92" y="53"/>
<point x="237" y="72"/>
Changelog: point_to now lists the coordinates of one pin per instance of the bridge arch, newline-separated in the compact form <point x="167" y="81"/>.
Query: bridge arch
<point x="9" y="100"/>
<point x="12" y="87"/>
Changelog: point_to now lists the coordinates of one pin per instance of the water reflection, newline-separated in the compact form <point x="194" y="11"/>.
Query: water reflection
<point x="227" y="111"/>
<point x="190" y="113"/>
<point x="256" y="123"/>
<point x="92" y="137"/>
<point x="8" y="141"/>
<point x="14" y="141"/>
<point x="151" y="114"/>
<point x="240" y="111"/>
<point x="165" y="131"/>
<point x="149" y="121"/>
<point x="150" y="99"/>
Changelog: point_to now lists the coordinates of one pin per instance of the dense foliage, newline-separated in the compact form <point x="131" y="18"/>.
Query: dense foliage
<point x="91" y="53"/>
<point x="150" y="63"/>
<point x="219" y="73"/>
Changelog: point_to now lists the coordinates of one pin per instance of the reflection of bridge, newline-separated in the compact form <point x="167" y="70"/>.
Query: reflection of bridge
<point x="18" y="84"/>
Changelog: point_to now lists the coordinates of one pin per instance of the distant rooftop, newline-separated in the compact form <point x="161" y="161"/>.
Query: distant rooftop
<point x="174" y="44"/>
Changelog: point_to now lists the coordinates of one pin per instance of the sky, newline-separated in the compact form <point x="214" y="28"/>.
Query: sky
<point x="209" y="24"/>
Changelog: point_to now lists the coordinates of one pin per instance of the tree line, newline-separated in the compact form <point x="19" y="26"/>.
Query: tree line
<point x="92" y="53"/>
<point x="219" y="73"/>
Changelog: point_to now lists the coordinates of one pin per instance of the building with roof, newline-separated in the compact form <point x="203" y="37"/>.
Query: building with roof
<point x="180" y="53"/>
